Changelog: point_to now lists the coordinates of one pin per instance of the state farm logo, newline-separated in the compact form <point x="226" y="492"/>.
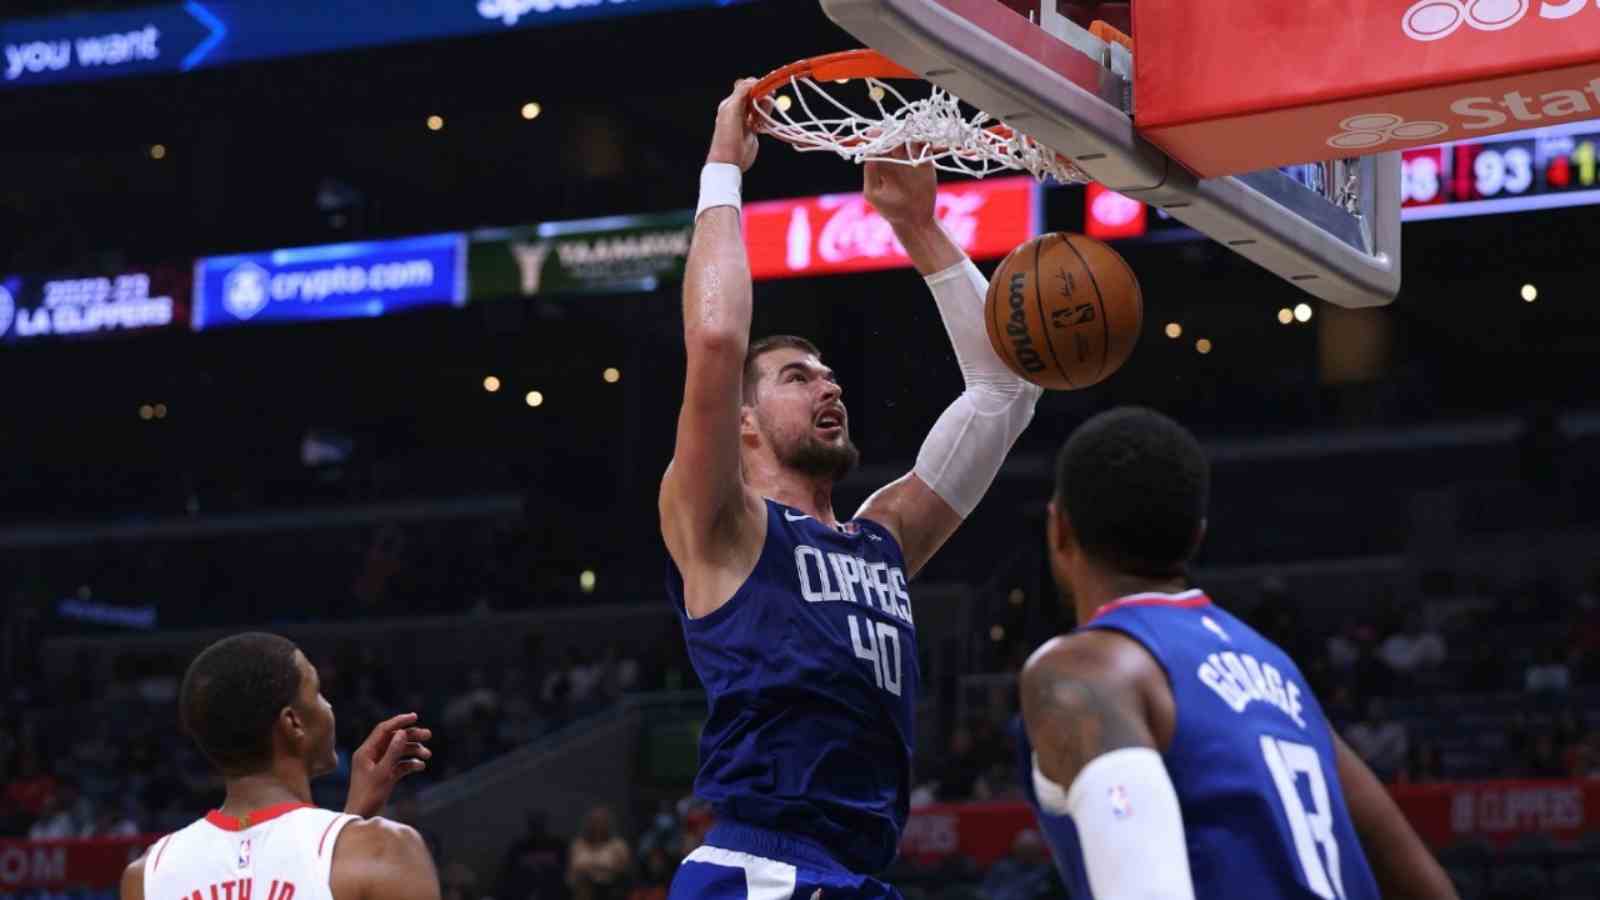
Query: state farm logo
<point x="1370" y="130"/>
<point x="1432" y="20"/>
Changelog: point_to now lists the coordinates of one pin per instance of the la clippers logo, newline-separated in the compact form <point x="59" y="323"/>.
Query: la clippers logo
<point x="1370" y="130"/>
<point x="1432" y="20"/>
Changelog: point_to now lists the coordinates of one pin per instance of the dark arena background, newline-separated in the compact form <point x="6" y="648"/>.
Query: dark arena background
<point x="359" y="322"/>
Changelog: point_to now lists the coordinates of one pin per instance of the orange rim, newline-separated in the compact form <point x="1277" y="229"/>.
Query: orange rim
<point x="844" y="65"/>
<point x="832" y="67"/>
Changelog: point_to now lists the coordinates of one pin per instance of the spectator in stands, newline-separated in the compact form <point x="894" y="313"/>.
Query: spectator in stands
<point x="598" y="860"/>
<point x="655" y="876"/>
<point x="1023" y="875"/>
<point x="31" y="791"/>
<point x="476" y="699"/>
<point x="113" y="821"/>
<point x="960" y="777"/>
<point x="1412" y="646"/>
<point x="1425" y="765"/>
<point x="620" y="671"/>
<point x="66" y="814"/>
<point x="1548" y="673"/>
<point x="459" y="882"/>
<point x="535" y="867"/>
<point x="1380" y="740"/>
<point x="1543" y="758"/>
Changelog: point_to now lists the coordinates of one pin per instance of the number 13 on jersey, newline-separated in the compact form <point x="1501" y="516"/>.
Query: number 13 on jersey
<point x="879" y="644"/>
<point x="1311" y="828"/>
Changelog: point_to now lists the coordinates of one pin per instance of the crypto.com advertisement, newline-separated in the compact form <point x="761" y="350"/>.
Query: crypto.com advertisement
<point x="335" y="281"/>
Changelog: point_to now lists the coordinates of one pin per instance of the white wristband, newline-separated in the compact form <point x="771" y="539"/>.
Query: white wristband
<point x="719" y="186"/>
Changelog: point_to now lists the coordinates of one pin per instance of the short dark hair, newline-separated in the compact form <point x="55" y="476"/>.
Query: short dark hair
<point x="1134" y="485"/>
<point x="758" y="349"/>
<point x="231" y="696"/>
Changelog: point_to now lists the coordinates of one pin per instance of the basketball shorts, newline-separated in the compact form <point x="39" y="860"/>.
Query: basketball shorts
<point x="742" y="862"/>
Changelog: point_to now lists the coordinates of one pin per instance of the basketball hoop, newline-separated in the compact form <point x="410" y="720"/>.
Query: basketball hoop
<point x="813" y="115"/>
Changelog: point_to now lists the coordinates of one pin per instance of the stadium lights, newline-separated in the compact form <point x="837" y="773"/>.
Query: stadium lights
<point x="435" y="123"/>
<point x="1016" y="596"/>
<point x="491" y="384"/>
<point x="1302" y="312"/>
<point x="1529" y="293"/>
<point x="161" y="410"/>
<point x="147" y="412"/>
<point x="783" y="102"/>
<point x="1286" y="316"/>
<point x="1203" y="345"/>
<point x="534" y="398"/>
<point x="997" y="633"/>
<point x="586" y="581"/>
<point x="530" y="111"/>
<point x="1174" y="330"/>
<point x="612" y="375"/>
<point x="158" y="151"/>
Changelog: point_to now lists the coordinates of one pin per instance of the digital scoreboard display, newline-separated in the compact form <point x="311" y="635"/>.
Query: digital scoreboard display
<point x="1541" y="169"/>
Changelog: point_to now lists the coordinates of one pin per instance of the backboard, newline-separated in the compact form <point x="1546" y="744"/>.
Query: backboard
<point x="1330" y="227"/>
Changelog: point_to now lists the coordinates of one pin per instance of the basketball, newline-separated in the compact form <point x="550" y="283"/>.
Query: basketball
<point x="1064" y="311"/>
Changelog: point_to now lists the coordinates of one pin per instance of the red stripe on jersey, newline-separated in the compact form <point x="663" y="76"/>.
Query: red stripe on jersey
<point x="325" y="834"/>
<point x="1189" y="598"/>
<point x="160" y="850"/>
<point x="249" y="820"/>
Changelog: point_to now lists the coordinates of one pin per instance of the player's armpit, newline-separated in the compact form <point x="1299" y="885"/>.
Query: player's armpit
<point x="132" y="887"/>
<point x="377" y="859"/>
<point x="1082" y="697"/>
<point x="920" y="520"/>
<point x="1401" y="862"/>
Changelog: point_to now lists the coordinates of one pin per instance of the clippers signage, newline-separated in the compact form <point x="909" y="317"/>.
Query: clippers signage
<point x="336" y="281"/>
<point x="1383" y="75"/>
<point x="67" y="864"/>
<point x="621" y="253"/>
<point x="842" y="233"/>
<point x="178" y="37"/>
<point x="35" y="309"/>
<point x="1542" y="169"/>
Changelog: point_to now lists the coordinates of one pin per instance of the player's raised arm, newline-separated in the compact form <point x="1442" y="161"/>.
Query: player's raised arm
<point x="703" y="493"/>
<point x="1400" y="860"/>
<point x="962" y="454"/>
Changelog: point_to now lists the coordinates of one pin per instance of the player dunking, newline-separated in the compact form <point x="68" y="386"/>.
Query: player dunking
<point x="800" y="626"/>
<point x="1175" y="752"/>
<point x="253" y="704"/>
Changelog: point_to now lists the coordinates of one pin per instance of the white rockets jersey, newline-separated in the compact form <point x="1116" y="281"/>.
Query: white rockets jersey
<point x="282" y="852"/>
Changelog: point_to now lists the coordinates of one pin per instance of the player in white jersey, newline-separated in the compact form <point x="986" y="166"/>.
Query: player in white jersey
<point x="254" y="705"/>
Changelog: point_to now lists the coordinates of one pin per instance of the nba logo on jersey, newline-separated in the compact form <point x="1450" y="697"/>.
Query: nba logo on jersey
<point x="244" y="854"/>
<point x="1120" y="807"/>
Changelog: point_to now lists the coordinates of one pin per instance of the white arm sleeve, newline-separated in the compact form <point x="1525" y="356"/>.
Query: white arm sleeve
<point x="962" y="454"/>
<point x="1128" y="821"/>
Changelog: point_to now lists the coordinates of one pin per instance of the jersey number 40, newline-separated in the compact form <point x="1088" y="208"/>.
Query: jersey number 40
<point x="881" y="647"/>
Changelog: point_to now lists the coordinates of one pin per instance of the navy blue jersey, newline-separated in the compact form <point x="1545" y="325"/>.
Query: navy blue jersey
<point x="1252" y="760"/>
<point x="811" y="676"/>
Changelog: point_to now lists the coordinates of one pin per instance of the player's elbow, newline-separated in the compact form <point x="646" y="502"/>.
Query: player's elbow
<point x="715" y="342"/>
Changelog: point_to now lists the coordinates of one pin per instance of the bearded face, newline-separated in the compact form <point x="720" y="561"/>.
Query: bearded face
<point x="801" y="415"/>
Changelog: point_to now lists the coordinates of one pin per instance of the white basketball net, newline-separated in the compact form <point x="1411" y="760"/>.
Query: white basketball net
<point x="935" y="130"/>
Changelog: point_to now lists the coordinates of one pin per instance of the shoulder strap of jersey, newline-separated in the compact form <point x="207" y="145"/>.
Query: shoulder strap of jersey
<point x="326" y="840"/>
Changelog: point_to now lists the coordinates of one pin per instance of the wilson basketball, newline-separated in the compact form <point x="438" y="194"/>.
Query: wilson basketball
<point x="1064" y="311"/>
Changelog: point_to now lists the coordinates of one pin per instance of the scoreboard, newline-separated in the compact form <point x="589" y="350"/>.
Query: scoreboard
<point x="1541" y="169"/>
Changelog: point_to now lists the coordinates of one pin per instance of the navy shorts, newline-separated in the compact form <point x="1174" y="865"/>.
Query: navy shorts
<point x="742" y="862"/>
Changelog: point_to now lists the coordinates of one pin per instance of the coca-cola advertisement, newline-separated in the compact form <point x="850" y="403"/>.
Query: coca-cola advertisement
<point x="842" y="233"/>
